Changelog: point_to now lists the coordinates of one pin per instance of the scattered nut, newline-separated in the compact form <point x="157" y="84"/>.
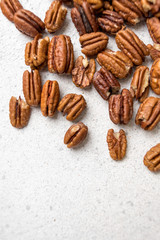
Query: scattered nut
<point x="9" y="8"/>
<point x="152" y="158"/>
<point x="154" y="51"/>
<point x="155" y="76"/>
<point x="153" y="25"/>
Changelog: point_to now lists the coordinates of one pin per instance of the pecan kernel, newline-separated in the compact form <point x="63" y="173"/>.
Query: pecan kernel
<point x="154" y="51"/>
<point x="152" y="158"/>
<point x="153" y="25"/>
<point x="155" y="76"/>
<point x="9" y="8"/>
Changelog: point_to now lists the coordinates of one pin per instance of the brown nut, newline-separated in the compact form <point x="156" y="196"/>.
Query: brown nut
<point x="32" y="87"/>
<point x="155" y="76"/>
<point x="83" y="71"/>
<point x="154" y="51"/>
<point x="97" y="5"/>
<point x="140" y="83"/>
<point x="105" y="83"/>
<point x="121" y="107"/>
<point x="148" y="114"/>
<point x="55" y="16"/>
<point x="152" y="158"/>
<point x="108" y="6"/>
<point x="60" y="55"/>
<point x="153" y="25"/>
<point x="19" y="112"/>
<point x="92" y="43"/>
<point x="117" y="144"/>
<point x="129" y="43"/>
<point x="110" y="22"/>
<point x="115" y="62"/>
<point x="72" y="105"/>
<point x="152" y="6"/>
<point x="69" y="3"/>
<point x="75" y="135"/>
<point x="9" y="8"/>
<point x="28" y="23"/>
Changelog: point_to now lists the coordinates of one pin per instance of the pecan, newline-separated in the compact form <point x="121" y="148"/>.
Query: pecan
<point x="154" y="51"/>
<point x="9" y="8"/>
<point x="140" y="83"/>
<point x="19" y="112"/>
<point x="152" y="6"/>
<point x="153" y="25"/>
<point x="49" y="98"/>
<point x="92" y="43"/>
<point x="83" y="71"/>
<point x="60" y="55"/>
<point x="115" y="62"/>
<point x="108" y="6"/>
<point x="155" y="76"/>
<point x="36" y="52"/>
<point x="117" y="144"/>
<point x="75" y="134"/>
<point x="69" y="3"/>
<point x="55" y="16"/>
<point x="121" y="107"/>
<point x="105" y="83"/>
<point x="111" y="22"/>
<point x="148" y="114"/>
<point x="129" y="43"/>
<point x="32" y="87"/>
<point x="152" y="158"/>
<point x="84" y="18"/>
<point x="28" y="23"/>
<point x="97" y="5"/>
<point x="72" y="105"/>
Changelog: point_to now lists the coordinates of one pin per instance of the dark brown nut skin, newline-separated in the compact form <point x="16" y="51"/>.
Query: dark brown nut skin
<point x="148" y="114"/>
<point x="152" y="158"/>
<point x="32" y="87"/>
<point x="49" y="98"/>
<point x="129" y="43"/>
<point x="97" y="5"/>
<point x="55" y="16"/>
<point x="140" y="83"/>
<point x="72" y="105"/>
<point x="110" y="22"/>
<point x="93" y="43"/>
<point x="115" y="62"/>
<point x="155" y="76"/>
<point x="83" y="71"/>
<point x="60" y="55"/>
<point x="121" y="107"/>
<point x="9" y="8"/>
<point x="75" y="135"/>
<point x="153" y="25"/>
<point x="28" y="23"/>
<point x="105" y="83"/>
<point x="69" y="3"/>
<point x="19" y="112"/>
<point x="154" y="51"/>
<point x="117" y="144"/>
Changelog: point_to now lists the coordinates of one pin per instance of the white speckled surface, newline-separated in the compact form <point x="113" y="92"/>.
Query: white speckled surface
<point x="50" y="192"/>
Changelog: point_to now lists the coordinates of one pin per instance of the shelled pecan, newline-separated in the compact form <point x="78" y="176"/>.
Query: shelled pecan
<point x="69" y="3"/>
<point x="155" y="76"/>
<point x="152" y="158"/>
<point x="151" y="6"/>
<point x="107" y="5"/>
<point x="9" y="8"/>
<point x="153" y="25"/>
<point x="97" y="5"/>
<point x="154" y="51"/>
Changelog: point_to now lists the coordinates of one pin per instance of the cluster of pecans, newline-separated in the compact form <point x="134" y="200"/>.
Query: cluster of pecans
<point x="93" y="19"/>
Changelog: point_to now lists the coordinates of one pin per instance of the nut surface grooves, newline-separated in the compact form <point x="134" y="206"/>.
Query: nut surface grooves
<point x="152" y="158"/>
<point x="9" y="8"/>
<point x="153" y="25"/>
<point x="155" y="76"/>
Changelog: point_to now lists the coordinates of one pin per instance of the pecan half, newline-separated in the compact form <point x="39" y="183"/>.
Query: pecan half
<point x="72" y="105"/>
<point x="55" y="16"/>
<point x="105" y="83"/>
<point x="154" y="51"/>
<point x="9" y="8"/>
<point x="97" y="5"/>
<point x="129" y="43"/>
<point x="152" y="6"/>
<point x="92" y="43"/>
<point x="60" y="55"/>
<point x="49" y="98"/>
<point x="153" y="25"/>
<point x="117" y="144"/>
<point x="148" y="114"/>
<point x="75" y="135"/>
<point x="115" y="62"/>
<point x="155" y="76"/>
<point x="140" y="83"/>
<point x="32" y="87"/>
<point x="28" y="23"/>
<point x="19" y="112"/>
<point x="83" y="71"/>
<point x="121" y="107"/>
<point x="152" y="158"/>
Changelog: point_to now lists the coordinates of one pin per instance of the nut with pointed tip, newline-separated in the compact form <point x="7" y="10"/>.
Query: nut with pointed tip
<point x="152" y="158"/>
<point x="153" y="25"/>
<point x="155" y="76"/>
<point x="154" y="51"/>
<point x="9" y="8"/>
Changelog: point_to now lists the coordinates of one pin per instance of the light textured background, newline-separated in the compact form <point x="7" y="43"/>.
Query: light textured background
<point x="50" y="192"/>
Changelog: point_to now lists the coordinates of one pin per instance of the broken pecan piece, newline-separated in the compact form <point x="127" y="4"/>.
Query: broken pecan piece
<point x="9" y="8"/>
<point x="152" y="6"/>
<point x="155" y="76"/>
<point x="154" y="51"/>
<point x="153" y="25"/>
<point x="97" y="5"/>
<point x="108" y="6"/>
<point x="152" y="158"/>
<point x="117" y="144"/>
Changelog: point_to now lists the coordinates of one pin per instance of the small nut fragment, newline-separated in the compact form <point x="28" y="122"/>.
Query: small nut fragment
<point x="155" y="76"/>
<point x="75" y="135"/>
<point x="154" y="51"/>
<point x="83" y="71"/>
<point x="153" y="25"/>
<point x="140" y="83"/>
<point x="108" y="6"/>
<point x="148" y="114"/>
<point x="117" y="144"/>
<point x="97" y="5"/>
<point x="72" y="105"/>
<point x="32" y="87"/>
<point x="105" y="83"/>
<point x="49" y="98"/>
<point x="9" y="8"/>
<point x="152" y="158"/>
<point x="19" y="112"/>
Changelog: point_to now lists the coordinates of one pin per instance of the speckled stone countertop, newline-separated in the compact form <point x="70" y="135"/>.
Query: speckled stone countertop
<point x="50" y="192"/>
